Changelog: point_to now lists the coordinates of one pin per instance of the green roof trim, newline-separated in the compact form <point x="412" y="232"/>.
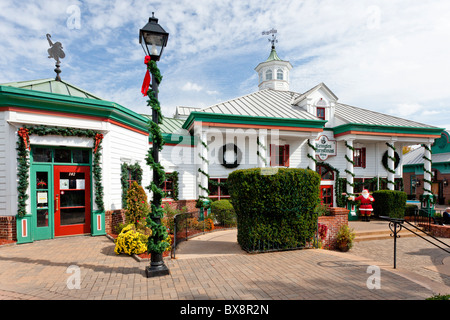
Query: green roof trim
<point x="54" y="102"/>
<point x="252" y="120"/>
<point x="372" y="128"/>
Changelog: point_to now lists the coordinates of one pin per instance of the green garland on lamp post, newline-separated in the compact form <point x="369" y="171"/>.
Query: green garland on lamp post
<point x="156" y="244"/>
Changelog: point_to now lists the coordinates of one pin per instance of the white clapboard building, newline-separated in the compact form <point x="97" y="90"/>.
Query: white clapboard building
<point x="61" y="192"/>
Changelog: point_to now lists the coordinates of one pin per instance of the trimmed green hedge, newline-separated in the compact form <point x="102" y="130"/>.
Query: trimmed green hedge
<point x="223" y="212"/>
<point x="389" y="203"/>
<point x="274" y="211"/>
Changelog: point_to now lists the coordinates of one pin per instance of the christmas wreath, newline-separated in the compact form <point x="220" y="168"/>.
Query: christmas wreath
<point x="237" y="152"/>
<point x="385" y="160"/>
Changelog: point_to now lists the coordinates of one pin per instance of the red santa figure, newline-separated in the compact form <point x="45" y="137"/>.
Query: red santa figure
<point x="365" y="209"/>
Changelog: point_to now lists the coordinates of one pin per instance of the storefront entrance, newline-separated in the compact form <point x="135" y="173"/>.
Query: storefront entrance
<point x="60" y="183"/>
<point x="72" y="200"/>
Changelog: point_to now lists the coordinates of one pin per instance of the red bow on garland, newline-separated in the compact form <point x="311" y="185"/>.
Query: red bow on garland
<point x="23" y="132"/>
<point x="98" y="139"/>
<point x="147" y="78"/>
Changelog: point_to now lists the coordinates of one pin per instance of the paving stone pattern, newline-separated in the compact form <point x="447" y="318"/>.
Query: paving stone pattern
<point x="39" y="271"/>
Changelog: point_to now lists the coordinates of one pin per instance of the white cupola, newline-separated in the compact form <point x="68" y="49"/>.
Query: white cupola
<point x="274" y="72"/>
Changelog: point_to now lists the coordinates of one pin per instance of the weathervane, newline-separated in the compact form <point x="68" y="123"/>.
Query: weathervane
<point x="274" y="37"/>
<point x="55" y="52"/>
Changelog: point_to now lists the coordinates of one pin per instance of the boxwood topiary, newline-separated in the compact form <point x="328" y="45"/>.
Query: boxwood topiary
<point x="274" y="211"/>
<point x="223" y="212"/>
<point x="389" y="203"/>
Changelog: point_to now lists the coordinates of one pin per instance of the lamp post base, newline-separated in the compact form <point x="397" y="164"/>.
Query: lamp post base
<point x="152" y="272"/>
<point x="157" y="267"/>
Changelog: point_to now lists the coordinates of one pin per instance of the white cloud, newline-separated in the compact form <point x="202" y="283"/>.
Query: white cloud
<point x="189" y="86"/>
<point x="388" y="56"/>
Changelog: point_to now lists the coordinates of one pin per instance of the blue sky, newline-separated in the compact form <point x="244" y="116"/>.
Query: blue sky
<point x="387" y="56"/>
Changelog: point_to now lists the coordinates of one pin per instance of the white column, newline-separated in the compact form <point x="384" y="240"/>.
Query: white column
<point x="349" y="167"/>
<point x="391" y="166"/>
<point x="312" y="153"/>
<point x="427" y="170"/>
<point x="262" y="148"/>
<point x="204" y="164"/>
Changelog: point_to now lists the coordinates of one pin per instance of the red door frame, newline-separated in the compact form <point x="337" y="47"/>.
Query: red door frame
<point x="76" y="228"/>
<point x="322" y="187"/>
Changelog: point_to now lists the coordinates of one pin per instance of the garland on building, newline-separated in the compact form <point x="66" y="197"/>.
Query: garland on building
<point x="23" y="163"/>
<point x="175" y="188"/>
<point x="352" y="162"/>
<point x="258" y="153"/>
<point x="203" y="201"/>
<point x="395" y="160"/>
<point x="136" y="175"/>
<point x="426" y="170"/>
<point x="156" y="241"/>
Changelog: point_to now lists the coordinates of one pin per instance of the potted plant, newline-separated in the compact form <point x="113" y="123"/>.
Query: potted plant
<point x="344" y="238"/>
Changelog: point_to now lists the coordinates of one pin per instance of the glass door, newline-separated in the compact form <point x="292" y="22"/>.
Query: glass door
<point x="72" y="200"/>
<point x="41" y="202"/>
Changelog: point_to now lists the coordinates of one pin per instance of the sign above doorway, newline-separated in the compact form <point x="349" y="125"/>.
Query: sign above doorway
<point x="325" y="147"/>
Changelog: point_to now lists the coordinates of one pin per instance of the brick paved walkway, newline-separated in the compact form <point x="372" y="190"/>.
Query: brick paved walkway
<point x="39" y="271"/>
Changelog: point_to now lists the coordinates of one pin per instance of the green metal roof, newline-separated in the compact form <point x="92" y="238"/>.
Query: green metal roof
<point x="12" y="96"/>
<point x="168" y="125"/>
<point x="273" y="56"/>
<point x="52" y="86"/>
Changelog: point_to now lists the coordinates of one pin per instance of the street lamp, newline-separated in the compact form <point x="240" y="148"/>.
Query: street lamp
<point x="153" y="39"/>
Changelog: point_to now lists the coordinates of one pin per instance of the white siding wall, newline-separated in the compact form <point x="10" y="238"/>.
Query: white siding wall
<point x="4" y="133"/>
<point x="181" y="158"/>
<point x="122" y="145"/>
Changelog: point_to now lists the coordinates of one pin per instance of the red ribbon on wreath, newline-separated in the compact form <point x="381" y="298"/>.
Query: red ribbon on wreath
<point x="146" y="83"/>
<point x="98" y="139"/>
<point x="23" y="132"/>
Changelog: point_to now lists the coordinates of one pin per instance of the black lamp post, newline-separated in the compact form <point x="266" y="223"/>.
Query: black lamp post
<point x="153" y="39"/>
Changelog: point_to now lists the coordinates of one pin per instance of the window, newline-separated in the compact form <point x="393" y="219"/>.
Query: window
<point x="321" y="113"/>
<point x="359" y="157"/>
<point x="370" y="184"/>
<point x="42" y="155"/>
<point x="61" y="155"/>
<point x="131" y="177"/>
<point x="280" y="74"/>
<point x="218" y="188"/>
<point x="325" y="172"/>
<point x="168" y="186"/>
<point x="269" y="75"/>
<point x="279" y="155"/>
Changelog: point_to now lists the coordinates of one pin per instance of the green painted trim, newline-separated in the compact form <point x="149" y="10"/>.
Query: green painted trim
<point x="254" y="120"/>
<point x="42" y="233"/>
<point x="95" y="230"/>
<point x="387" y="129"/>
<point x="39" y="100"/>
<point x="442" y="167"/>
<point x="442" y="144"/>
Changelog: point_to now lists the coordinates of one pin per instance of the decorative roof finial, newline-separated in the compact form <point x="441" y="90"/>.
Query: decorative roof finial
<point x="274" y="38"/>
<point x="55" y="52"/>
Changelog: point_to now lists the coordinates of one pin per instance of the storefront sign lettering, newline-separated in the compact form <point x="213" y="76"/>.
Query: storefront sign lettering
<point x="325" y="148"/>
